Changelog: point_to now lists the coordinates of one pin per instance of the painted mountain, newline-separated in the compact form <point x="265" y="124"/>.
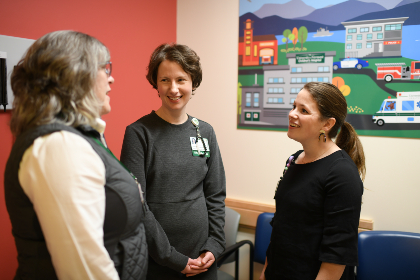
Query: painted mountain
<point x="276" y="25"/>
<point x="335" y="15"/>
<point x="409" y="10"/>
<point x="405" y="2"/>
<point x="388" y="4"/>
<point x="292" y="9"/>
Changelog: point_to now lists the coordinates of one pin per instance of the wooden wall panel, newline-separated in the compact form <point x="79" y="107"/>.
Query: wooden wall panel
<point x="250" y="210"/>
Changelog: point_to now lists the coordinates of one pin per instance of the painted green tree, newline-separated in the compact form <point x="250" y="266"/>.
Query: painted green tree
<point x="291" y="38"/>
<point x="303" y="35"/>
<point x="239" y="95"/>
<point x="286" y="34"/>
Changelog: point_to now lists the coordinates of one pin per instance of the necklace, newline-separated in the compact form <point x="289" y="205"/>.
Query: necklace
<point x="301" y="161"/>
<point x="291" y="159"/>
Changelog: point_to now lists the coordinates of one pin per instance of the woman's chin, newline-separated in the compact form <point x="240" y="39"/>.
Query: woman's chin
<point x="105" y="110"/>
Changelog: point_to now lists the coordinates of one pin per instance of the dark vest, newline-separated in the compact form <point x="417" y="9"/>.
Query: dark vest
<point x="124" y="234"/>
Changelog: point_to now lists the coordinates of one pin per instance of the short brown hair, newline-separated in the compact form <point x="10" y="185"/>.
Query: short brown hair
<point x="181" y="54"/>
<point x="332" y="104"/>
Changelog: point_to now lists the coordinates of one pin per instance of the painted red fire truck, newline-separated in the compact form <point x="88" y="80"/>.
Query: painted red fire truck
<point x="398" y="71"/>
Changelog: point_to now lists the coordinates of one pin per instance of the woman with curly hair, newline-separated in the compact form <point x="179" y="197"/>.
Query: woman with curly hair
<point x="76" y="212"/>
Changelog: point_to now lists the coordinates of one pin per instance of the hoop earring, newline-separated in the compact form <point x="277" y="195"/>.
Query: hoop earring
<point x="322" y="132"/>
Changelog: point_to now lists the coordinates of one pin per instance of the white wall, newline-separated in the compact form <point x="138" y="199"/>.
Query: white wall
<point x="255" y="159"/>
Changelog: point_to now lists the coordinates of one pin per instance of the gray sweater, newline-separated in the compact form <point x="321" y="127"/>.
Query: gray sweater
<point x="185" y="194"/>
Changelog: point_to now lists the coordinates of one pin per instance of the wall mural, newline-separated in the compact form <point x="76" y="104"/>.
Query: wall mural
<point x="369" y="49"/>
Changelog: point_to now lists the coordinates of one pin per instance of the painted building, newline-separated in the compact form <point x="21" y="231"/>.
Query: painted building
<point x="374" y="38"/>
<point x="256" y="50"/>
<point x="273" y="100"/>
<point x="251" y="103"/>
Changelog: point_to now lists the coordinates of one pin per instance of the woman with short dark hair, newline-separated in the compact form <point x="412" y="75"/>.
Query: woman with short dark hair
<point x="181" y="54"/>
<point x="177" y="160"/>
<point x="76" y="212"/>
<point x="319" y="196"/>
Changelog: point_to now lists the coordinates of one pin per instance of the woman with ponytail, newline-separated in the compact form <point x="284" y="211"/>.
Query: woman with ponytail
<point x="319" y="195"/>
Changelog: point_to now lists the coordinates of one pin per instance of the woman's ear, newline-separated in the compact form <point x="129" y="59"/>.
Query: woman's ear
<point x="329" y="124"/>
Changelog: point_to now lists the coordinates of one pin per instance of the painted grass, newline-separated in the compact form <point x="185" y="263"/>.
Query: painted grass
<point x="364" y="94"/>
<point x="394" y="85"/>
<point x="249" y="80"/>
<point x="391" y="133"/>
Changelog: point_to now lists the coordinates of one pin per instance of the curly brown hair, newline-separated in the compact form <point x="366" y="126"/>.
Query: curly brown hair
<point x="54" y="81"/>
<point x="181" y="54"/>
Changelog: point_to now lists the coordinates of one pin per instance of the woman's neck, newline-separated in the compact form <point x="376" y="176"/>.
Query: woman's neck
<point x="317" y="150"/>
<point x="173" y="117"/>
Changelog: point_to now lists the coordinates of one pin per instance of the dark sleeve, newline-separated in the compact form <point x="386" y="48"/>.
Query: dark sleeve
<point x="215" y="193"/>
<point x="343" y="199"/>
<point x="133" y="156"/>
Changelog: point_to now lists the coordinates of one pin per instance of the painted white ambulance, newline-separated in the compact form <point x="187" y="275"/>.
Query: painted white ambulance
<point x="403" y="109"/>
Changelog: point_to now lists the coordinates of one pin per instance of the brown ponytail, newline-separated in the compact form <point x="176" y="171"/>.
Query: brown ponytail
<point x="348" y="140"/>
<point x="332" y="104"/>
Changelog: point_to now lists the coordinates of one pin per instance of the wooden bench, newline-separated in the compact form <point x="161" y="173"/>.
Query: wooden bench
<point x="250" y="210"/>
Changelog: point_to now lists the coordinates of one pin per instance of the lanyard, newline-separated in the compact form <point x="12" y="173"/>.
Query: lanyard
<point x="197" y="127"/>
<point x="132" y="175"/>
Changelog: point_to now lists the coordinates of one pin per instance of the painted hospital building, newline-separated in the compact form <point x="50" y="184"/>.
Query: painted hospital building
<point x="269" y="104"/>
<point x="374" y="38"/>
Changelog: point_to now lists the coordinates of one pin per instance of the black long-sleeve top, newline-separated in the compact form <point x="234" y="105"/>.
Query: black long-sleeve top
<point x="185" y="193"/>
<point x="317" y="216"/>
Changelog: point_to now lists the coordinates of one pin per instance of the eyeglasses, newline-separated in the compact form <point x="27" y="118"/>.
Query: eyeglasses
<point x="108" y="68"/>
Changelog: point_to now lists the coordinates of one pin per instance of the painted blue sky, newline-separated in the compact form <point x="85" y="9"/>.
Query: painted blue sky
<point x="246" y="6"/>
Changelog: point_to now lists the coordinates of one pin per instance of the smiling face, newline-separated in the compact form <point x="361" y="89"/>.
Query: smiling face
<point x="175" y="88"/>
<point x="102" y="88"/>
<point x="305" y="119"/>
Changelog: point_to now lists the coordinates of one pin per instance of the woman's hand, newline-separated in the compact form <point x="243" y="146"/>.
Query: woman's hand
<point x="262" y="276"/>
<point x="201" y="264"/>
<point x="206" y="259"/>
<point x="189" y="271"/>
<point x="330" y="271"/>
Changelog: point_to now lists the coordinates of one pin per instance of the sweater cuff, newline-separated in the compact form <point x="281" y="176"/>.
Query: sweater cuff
<point x="212" y="246"/>
<point x="177" y="261"/>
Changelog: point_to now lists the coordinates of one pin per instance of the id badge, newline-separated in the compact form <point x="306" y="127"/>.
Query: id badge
<point x="197" y="147"/>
